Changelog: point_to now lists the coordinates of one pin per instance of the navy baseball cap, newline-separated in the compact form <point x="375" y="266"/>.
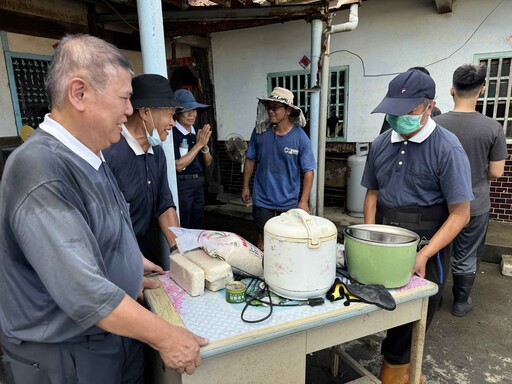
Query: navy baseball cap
<point x="405" y="92"/>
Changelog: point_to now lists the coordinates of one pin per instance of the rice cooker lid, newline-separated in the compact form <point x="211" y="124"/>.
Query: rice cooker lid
<point x="298" y="224"/>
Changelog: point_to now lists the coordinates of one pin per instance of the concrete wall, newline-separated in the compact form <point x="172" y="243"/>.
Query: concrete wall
<point x="38" y="46"/>
<point x="392" y="36"/>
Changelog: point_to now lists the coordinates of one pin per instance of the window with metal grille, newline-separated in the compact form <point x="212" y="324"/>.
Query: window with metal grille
<point x="496" y="101"/>
<point x="298" y="81"/>
<point x="26" y="79"/>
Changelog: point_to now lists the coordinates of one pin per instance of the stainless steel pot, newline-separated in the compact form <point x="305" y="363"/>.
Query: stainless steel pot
<point x="380" y="254"/>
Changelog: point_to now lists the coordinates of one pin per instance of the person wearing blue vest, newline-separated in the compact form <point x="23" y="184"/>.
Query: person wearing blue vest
<point x="193" y="156"/>
<point x="70" y="266"/>
<point x="280" y="150"/>
<point x="138" y="162"/>
<point x="417" y="177"/>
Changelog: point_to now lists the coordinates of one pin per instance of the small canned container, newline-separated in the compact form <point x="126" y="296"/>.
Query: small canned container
<point x="235" y="292"/>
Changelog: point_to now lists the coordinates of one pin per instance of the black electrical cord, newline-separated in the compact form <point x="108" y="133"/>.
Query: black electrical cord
<point x="254" y="283"/>
<point x="248" y="303"/>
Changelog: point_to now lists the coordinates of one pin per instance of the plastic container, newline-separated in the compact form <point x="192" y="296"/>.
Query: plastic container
<point x="380" y="254"/>
<point x="300" y="255"/>
<point x="355" y="192"/>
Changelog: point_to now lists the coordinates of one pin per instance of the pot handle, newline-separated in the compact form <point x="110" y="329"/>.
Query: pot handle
<point x="311" y="227"/>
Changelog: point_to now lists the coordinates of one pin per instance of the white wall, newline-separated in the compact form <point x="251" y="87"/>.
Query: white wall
<point x="241" y="61"/>
<point x="38" y="46"/>
<point x="392" y="36"/>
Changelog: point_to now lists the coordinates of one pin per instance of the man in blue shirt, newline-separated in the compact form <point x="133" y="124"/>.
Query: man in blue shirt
<point x="418" y="177"/>
<point x="281" y="150"/>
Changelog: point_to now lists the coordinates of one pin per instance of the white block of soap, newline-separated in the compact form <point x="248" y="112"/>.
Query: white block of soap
<point x="214" y="269"/>
<point x="186" y="274"/>
<point x="219" y="283"/>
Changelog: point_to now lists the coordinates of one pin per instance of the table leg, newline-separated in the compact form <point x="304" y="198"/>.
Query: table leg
<point x="417" y="344"/>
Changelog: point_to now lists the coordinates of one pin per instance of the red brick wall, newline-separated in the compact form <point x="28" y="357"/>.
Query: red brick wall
<point x="501" y="193"/>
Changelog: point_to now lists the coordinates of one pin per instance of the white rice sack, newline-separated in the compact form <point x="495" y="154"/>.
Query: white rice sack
<point x="244" y="257"/>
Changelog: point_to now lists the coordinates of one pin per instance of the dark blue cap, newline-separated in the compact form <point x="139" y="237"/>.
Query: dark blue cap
<point x="406" y="92"/>
<point x="187" y="101"/>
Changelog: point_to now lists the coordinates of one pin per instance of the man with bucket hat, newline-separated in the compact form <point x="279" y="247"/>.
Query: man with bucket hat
<point x="138" y="162"/>
<point x="281" y="149"/>
<point x="418" y="177"/>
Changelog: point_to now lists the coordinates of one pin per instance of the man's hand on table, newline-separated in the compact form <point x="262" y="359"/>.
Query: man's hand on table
<point x="420" y="265"/>
<point x="181" y="350"/>
<point x="150" y="268"/>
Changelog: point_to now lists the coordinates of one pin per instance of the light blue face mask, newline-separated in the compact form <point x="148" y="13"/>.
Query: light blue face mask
<point x="154" y="139"/>
<point x="405" y="124"/>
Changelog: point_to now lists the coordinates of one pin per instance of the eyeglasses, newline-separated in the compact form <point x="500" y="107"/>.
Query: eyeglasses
<point x="269" y="107"/>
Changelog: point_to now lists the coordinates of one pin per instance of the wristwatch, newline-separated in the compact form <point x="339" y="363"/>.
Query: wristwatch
<point x="174" y="249"/>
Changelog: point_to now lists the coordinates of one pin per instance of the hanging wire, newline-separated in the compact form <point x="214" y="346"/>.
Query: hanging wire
<point x="118" y="14"/>
<point x="428" y="65"/>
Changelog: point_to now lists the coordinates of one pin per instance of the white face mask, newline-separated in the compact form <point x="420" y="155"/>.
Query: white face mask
<point x="153" y="139"/>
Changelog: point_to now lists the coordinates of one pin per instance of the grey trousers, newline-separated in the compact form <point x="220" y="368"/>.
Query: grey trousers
<point x="469" y="245"/>
<point x="106" y="358"/>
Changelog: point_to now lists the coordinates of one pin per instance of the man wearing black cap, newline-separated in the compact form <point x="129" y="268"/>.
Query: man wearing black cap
<point x="139" y="165"/>
<point x="418" y="177"/>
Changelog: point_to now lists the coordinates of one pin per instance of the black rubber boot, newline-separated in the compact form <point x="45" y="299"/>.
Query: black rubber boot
<point x="462" y="303"/>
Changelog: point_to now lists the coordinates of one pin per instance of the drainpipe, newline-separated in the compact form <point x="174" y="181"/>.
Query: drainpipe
<point x="314" y="103"/>
<point x="154" y="61"/>
<point x="324" y="96"/>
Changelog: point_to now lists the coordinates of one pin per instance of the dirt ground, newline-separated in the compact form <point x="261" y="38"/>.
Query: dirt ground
<point x="474" y="349"/>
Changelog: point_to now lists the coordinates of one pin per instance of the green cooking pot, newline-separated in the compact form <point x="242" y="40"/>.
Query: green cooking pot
<point x="380" y="254"/>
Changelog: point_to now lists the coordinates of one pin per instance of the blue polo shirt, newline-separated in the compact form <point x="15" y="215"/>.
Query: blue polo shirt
<point x="431" y="168"/>
<point x="280" y="159"/>
<point x="142" y="177"/>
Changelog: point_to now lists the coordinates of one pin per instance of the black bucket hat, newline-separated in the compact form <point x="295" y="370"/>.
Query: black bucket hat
<point x="153" y="91"/>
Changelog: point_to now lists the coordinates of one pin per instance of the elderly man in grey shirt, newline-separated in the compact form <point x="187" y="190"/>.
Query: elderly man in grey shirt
<point x="70" y="267"/>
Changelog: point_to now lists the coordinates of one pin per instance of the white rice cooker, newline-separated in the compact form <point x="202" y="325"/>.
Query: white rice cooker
<point x="299" y="255"/>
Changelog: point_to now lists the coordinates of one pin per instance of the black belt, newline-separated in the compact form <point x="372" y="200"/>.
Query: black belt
<point x="191" y="176"/>
<point x="425" y="221"/>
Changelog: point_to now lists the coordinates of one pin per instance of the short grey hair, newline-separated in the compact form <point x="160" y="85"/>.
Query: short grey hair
<point x="86" y="57"/>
